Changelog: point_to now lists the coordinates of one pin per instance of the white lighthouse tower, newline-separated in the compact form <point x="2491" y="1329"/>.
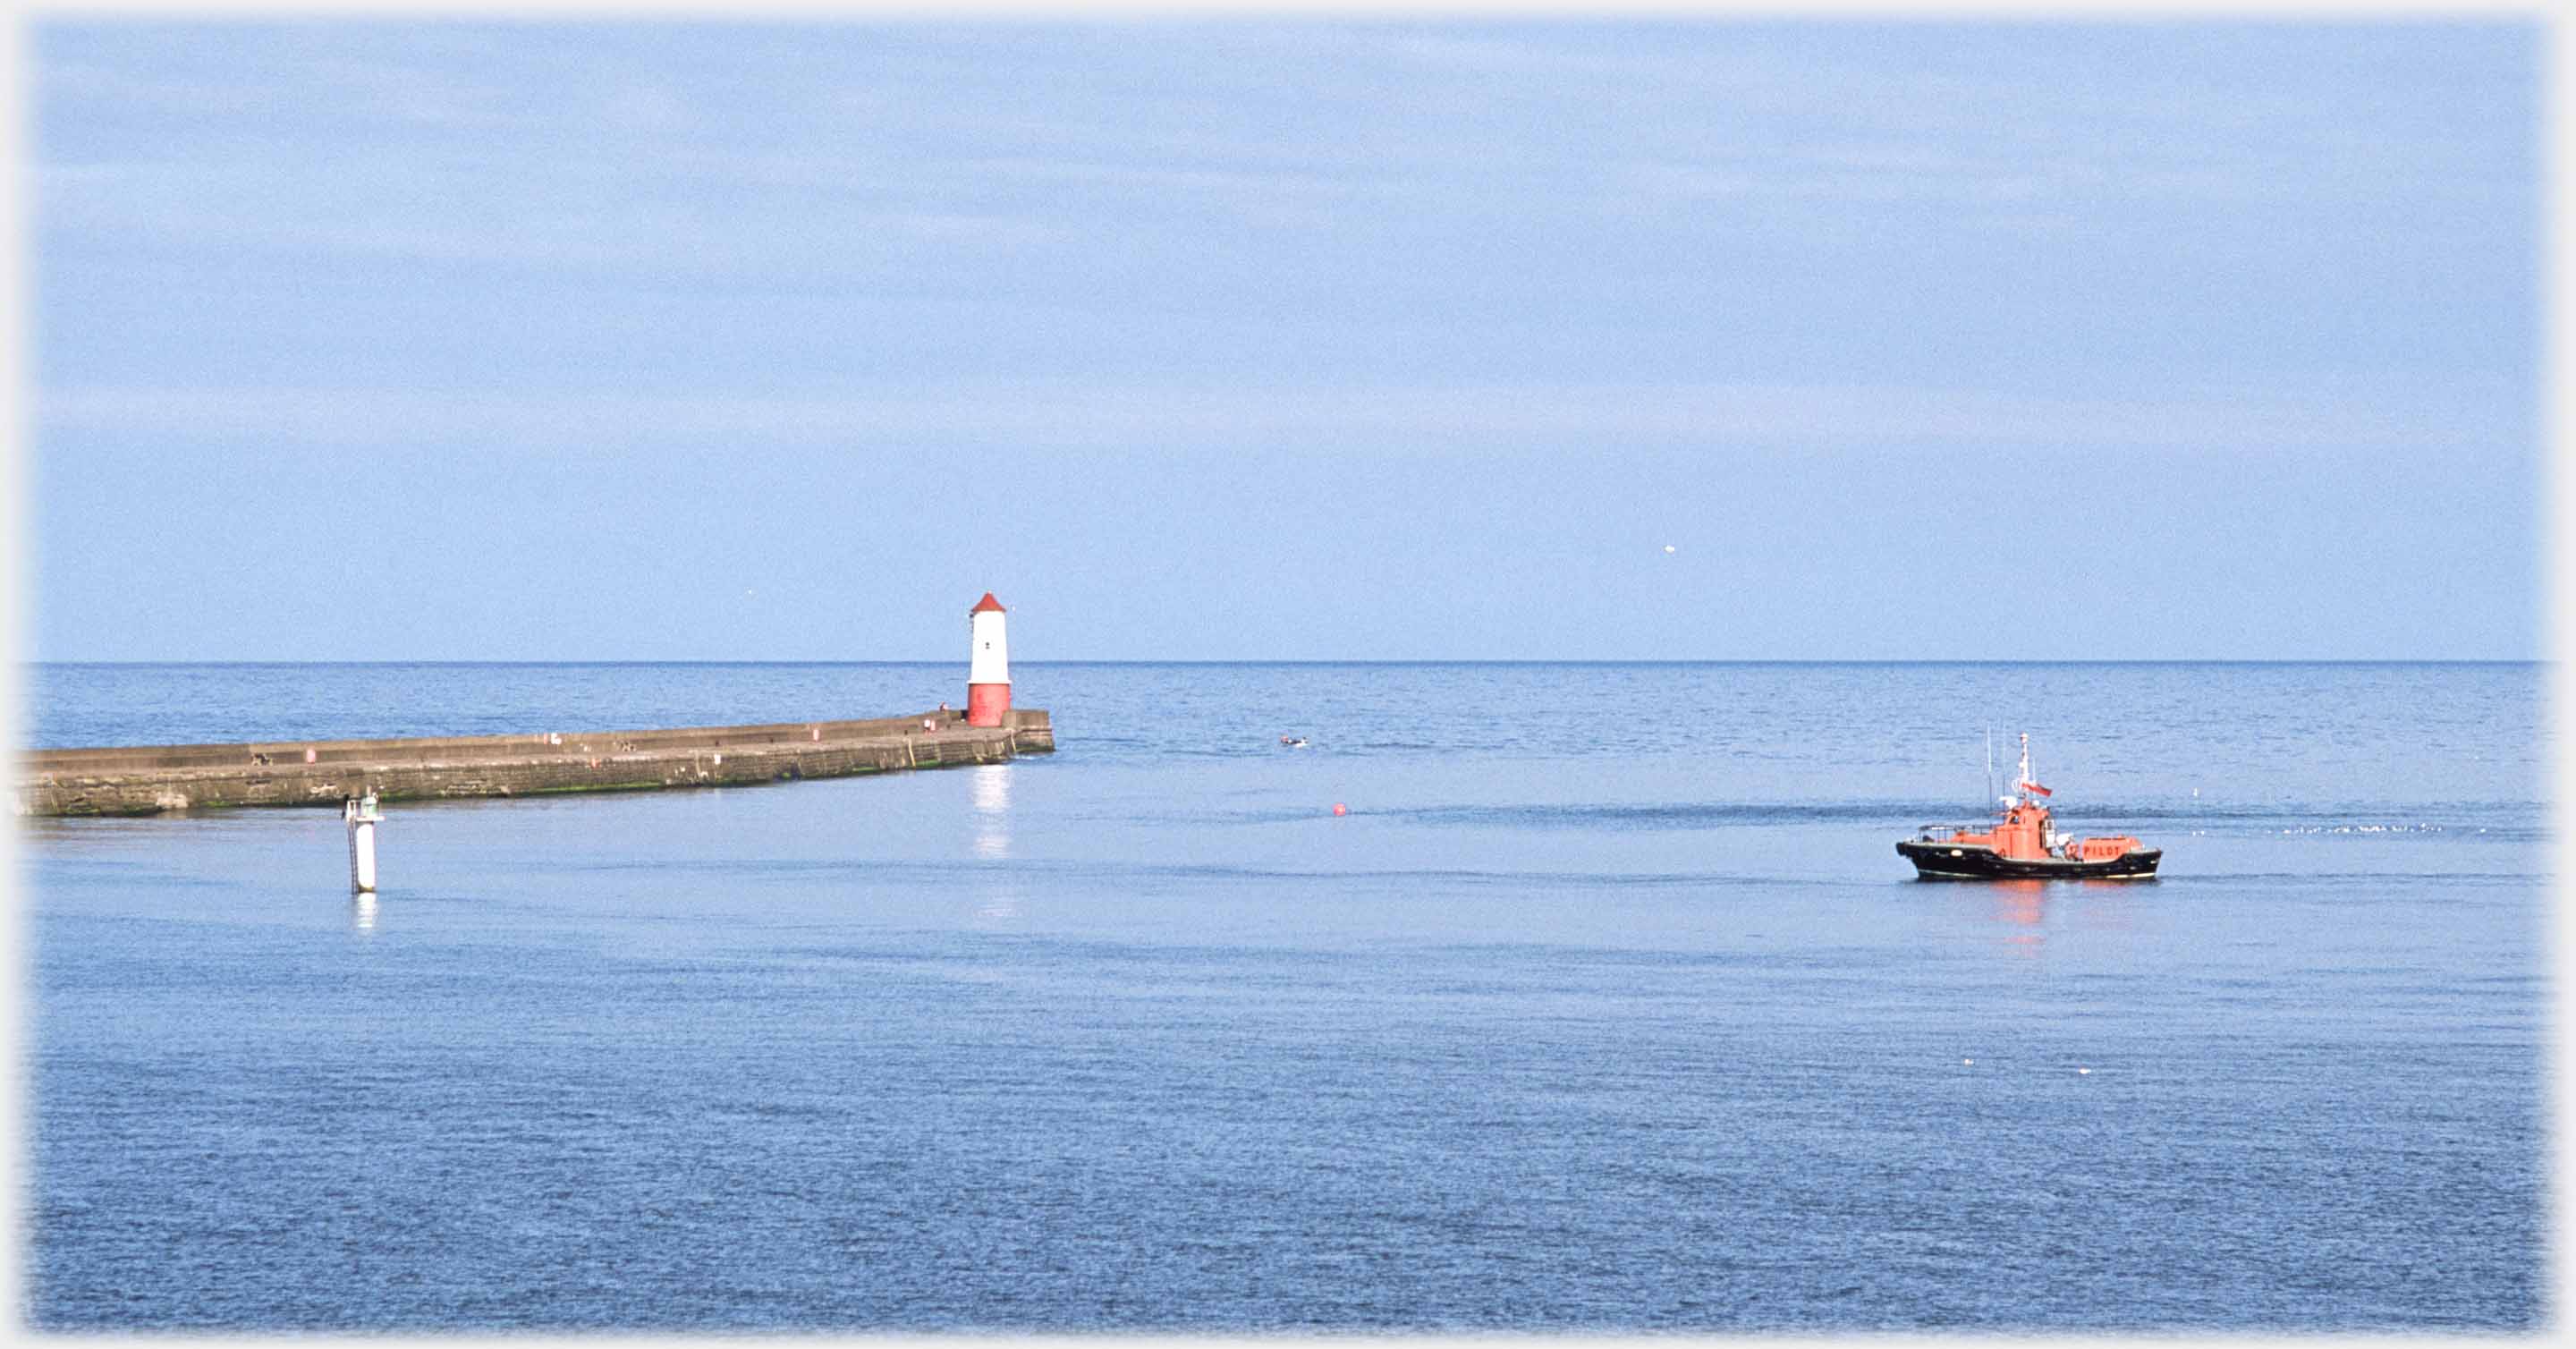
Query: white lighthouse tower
<point x="988" y="674"/>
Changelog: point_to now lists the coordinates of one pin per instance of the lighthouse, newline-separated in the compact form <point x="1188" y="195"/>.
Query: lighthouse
<point x="988" y="673"/>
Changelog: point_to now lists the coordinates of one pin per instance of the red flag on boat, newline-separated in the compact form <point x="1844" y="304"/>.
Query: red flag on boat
<point x="2035" y="787"/>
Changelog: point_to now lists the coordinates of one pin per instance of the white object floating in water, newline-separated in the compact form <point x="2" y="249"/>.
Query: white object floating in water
<point x="1967" y="1061"/>
<point x="1668" y="548"/>
<point x="2082" y="1071"/>
<point x="361" y="818"/>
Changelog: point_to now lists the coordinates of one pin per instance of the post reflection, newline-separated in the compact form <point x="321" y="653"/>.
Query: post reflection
<point x="992" y="794"/>
<point x="997" y="906"/>
<point x="362" y="911"/>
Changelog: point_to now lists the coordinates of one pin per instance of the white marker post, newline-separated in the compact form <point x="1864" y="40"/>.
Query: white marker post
<point x="361" y="818"/>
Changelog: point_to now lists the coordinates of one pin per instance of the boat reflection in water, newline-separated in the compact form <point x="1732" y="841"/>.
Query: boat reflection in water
<point x="2020" y="903"/>
<point x="2023" y="844"/>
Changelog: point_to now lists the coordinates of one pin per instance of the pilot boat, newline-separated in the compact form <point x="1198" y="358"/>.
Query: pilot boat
<point x="2023" y="844"/>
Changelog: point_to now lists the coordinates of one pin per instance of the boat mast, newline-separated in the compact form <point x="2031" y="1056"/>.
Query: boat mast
<point x="2021" y="788"/>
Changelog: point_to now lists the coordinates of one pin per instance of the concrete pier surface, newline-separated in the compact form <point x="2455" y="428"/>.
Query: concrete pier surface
<point x="147" y="779"/>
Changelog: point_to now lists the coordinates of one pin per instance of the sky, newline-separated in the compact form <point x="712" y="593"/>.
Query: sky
<point x="1324" y="338"/>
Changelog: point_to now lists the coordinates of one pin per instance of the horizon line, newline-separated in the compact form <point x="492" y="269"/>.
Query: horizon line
<point x="1379" y="660"/>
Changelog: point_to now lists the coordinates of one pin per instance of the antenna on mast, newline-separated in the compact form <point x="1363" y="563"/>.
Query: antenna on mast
<point x="1990" y="765"/>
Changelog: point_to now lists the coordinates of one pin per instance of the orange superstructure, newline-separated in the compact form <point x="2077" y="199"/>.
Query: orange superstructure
<point x="2028" y="833"/>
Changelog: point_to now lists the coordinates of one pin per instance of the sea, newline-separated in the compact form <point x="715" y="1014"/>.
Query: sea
<point x="1521" y="998"/>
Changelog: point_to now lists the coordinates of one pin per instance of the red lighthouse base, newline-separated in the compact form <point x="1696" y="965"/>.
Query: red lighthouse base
<point x="987" y="704"/>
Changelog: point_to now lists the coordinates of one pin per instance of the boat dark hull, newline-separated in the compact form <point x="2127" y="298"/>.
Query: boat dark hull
<point x="1953" y="862"/>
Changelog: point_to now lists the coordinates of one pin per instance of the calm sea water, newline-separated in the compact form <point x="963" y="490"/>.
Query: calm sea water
<point x="1608" y="1006"/>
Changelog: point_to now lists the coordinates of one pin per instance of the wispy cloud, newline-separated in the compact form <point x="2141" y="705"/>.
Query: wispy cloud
<point x="436" y="212"/>
<point x="1163" y="418"/>
<point x="103" y="84"/>
<point x="377" y="142"/>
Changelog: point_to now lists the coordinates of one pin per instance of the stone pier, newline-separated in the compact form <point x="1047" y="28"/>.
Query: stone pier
<point x="147" y="779"/>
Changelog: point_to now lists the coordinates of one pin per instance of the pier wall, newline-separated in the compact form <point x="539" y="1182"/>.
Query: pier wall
<point x="146" y="779"/>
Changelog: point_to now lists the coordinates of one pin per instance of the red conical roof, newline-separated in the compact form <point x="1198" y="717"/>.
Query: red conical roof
<point x="988" y="604"/>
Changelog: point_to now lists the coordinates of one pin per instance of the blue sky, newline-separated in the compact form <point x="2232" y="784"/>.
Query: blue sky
<point x="1315" y="339"/>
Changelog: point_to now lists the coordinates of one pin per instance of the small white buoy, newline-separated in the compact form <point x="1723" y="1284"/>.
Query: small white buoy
<point x="2082" y="1071"/>
<point x="1668" y="548"/>
<point x="1967" y="1062"/>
